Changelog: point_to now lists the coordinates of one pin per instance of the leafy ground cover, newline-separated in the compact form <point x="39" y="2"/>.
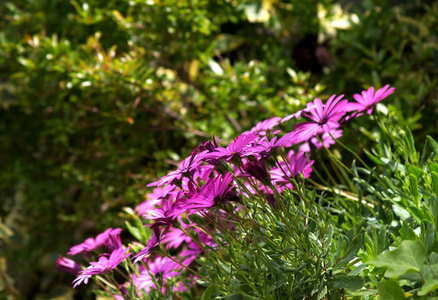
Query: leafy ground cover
<point x="98" y="98"/>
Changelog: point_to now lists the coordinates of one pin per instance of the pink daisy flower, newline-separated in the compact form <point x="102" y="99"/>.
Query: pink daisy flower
<point x="368" y="99"/>
<point x="297" y="164"/>
<point x="91" y="244"/>
<point x="323" y="117"/>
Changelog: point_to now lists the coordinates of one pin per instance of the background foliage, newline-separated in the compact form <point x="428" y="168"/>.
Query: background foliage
<point x="96" y="95"/>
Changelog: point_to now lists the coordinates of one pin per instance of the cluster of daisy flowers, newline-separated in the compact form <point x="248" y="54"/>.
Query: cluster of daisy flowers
<point x="259" y="163"/>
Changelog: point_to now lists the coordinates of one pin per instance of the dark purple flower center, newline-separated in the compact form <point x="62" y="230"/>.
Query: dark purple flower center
<point x="216" y="200"/>
<point x="322" y="121"/>
<point x="158" y="274"/>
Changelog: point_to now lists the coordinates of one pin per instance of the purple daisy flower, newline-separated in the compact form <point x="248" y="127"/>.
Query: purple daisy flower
<point x="262" y="126"/>
<point x="263" y="147"/>
<point x="369" y="99"/>
<point x="326" y="138"/>
<point x="103" y="266"/>
<point x="167" y="213"/>
<point x="235" y="149"/>
<point x="210" y="147"/>
<point x="162" y="267"/>
<point x="67" y="265"/>
<point x="323" y="117"/>
<point x="113" y="242"/>
<point x="288" y="140"/>
<point x="298" y="113"/>
<point x="153" y="243"/>
<point x="297" y="164"/>
<point x="91" y="244"/>
<point x="81" y="278"/>
<point x="185" y="167"/>
<point x="154" y="198"/>
<point x="175" y="237"/>
<point x="257" y="169"/>
<point x="212" y="193"/>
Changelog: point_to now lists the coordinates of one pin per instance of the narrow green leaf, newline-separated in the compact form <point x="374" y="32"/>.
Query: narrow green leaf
<point x="393" y="165"/>
<point x="358" y="270"/>
<point x="133" y="230"/>
<point x="416" y="171"/>
<point x="342" y="281"/>
<point x="363" y="293"/>
<point x="327" y="240"/>
<point x="394" y="188"/>
<point x="390" y="290"/>
<point x="341" y="217"/>
<point x="413" y="155"/>
<point x="435" y="182"/>
<point x="224" y="267"/>
<point x="429" y="236"/>
<point x="408" y="257"/>
<point x="351" y="252"/>
<point x="416" y="213"/>
<point x="373" y="158"/>
<point x="414" y="189"/>
<point x="433" y="144"/>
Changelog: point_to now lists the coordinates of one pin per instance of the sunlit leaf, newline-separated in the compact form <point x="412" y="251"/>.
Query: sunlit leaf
<point x="408" y="257"/>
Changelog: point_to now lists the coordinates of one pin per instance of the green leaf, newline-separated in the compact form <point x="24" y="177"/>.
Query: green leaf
<point x="208" y="292"/>
<point x="429" y="271"/>
<point x="416" y="171"/>
<point x="407" y="232"/>
<point x="408" y="257"/>
<point x="393" y="165"/>
<point x="435" y="182"/>
<point x="433" y="259"/>
<point x="414" y="189"/>
<point x="428" y="286"/>
<point x="224" y="267"/>
<point x="410" y="147"/>
<point x="433" y="144"/>
<point x="363" y="293"/>
<point x="133" y="230"/>
<point x="328" y="238"/>
<point x="342" y="281"/>
<point x="358" y="270"/>
<point x="389" y="290"/>
<point x="429" y="236"/>
<point x="351" y="252"/>
<point x="416" y="213"/>
<point x="373" y="158"/>
<point x="400" y="212"/>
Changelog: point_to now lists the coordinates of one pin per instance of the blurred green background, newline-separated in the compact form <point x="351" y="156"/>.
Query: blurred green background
<point x="98" y="98"/>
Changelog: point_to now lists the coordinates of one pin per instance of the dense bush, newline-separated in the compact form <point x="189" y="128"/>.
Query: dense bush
<point x="97" y="96"/>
